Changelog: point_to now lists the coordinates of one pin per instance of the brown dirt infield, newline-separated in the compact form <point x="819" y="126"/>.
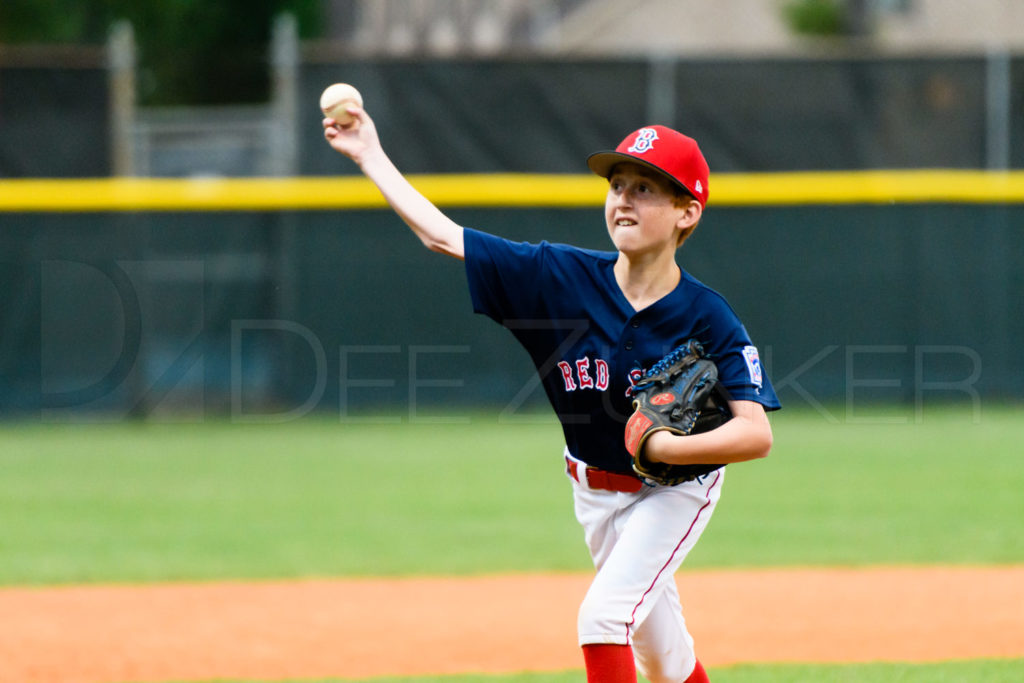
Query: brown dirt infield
<point x="361" y="628"/>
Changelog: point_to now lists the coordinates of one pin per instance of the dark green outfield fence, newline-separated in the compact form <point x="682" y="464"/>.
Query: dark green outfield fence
<point x="270" y="315"/>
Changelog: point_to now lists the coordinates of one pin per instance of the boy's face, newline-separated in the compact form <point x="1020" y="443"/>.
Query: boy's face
<point x="641" y="210"/>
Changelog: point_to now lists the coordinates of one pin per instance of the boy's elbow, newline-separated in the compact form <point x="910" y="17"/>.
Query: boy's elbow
<point x="763" y="444"/>
<point x="445" y="248"/>
<point x="756" y="429"/>
<point x="450" y="243"/>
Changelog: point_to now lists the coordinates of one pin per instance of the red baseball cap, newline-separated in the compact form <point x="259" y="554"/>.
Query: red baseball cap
<point x="664" y="150"/>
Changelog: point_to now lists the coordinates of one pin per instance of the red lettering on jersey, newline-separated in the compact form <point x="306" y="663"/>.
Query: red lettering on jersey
<point x="583" y="371"/>
<point x="567" y="375"/>
<point x="601" y="366"/>
<point x="579" y="375"/>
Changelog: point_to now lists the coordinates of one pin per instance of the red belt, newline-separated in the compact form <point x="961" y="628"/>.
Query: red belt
<point x="602" y="479"/>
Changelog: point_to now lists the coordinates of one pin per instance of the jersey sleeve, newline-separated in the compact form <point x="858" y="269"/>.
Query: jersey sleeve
<point x="738" y="360"/>
<point x="504" y="277"/>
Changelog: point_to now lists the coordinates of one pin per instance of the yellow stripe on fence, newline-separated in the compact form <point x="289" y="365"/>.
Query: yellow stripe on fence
<point x="869" y="187"/>
<point x="497" y="190"/>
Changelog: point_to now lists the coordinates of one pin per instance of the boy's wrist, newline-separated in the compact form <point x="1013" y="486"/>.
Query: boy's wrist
<point x="371" y="159"/>
<point x="658" y="446"/>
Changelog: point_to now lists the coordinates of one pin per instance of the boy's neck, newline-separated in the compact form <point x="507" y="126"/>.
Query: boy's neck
<point x="645" y="282"/>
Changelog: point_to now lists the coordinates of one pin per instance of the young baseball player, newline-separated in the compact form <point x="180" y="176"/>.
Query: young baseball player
<point x="607" y="315"/>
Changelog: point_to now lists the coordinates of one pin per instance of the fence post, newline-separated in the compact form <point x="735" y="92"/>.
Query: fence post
<point x="997" y="109"/>
<point x="661" y="90"/>
<point x="284" y="59"/>
<point x="284" y="161"/>
<point x="121" y="69"/>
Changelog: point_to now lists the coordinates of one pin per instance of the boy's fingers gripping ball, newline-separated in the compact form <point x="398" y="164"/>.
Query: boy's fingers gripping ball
<point x="336" y="98"/>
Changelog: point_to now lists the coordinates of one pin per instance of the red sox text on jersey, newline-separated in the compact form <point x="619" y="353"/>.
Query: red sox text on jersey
<point x="577" y="375"/>
<point x="584" y="379"/>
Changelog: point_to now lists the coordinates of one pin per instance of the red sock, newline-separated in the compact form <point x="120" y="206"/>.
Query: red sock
<point x="609" y="664"/>
<point x="699" y="675"/>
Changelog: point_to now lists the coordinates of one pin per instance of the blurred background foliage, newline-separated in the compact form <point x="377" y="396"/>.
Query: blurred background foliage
<point x="226" y="40"/>
<point x="815" y="17"/>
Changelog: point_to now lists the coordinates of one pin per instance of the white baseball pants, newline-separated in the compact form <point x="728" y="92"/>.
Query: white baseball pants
<point x="637" y="542"/>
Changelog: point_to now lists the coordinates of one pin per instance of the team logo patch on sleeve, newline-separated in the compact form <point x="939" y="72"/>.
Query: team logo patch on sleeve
<point x="753" y="365"/>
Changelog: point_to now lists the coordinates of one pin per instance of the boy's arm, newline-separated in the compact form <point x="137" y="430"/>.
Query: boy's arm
<point x="359" y="142"/>
<point x="747" y="436"/>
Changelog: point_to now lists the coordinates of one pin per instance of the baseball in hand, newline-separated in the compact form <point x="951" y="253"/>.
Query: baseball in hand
<point x="336" y="98"/>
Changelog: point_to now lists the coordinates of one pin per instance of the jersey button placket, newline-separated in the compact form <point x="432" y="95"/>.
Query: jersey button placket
<point x="627" y="344"/>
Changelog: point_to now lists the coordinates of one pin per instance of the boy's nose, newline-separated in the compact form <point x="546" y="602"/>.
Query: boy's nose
<point x="625" y="197"/>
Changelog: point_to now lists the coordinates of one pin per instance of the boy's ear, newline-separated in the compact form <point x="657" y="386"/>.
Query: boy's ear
<point x="688" y="221"/>
<point x="691" y="215"/>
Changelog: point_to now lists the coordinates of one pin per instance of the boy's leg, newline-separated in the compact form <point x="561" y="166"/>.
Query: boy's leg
<point x="635" y="576"/>
<point x="614" y="664"/>
<point x="609" y="664"/>
<point x="663" y="646"/>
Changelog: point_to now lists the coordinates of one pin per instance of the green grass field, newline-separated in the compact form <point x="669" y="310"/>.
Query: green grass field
<point x="142" y="502"/>
<point x="981" y="671"/>
<point x="152" y="502"/>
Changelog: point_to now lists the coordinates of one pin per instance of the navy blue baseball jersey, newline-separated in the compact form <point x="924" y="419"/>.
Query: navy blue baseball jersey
<point x="589" y="344"/>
